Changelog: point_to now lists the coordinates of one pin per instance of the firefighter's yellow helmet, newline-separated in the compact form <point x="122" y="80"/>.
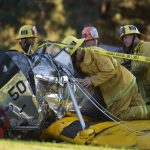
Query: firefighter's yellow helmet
<point x="27" y="31"/>
<point x="73" y="41"/>
<point x="129" y="29"/>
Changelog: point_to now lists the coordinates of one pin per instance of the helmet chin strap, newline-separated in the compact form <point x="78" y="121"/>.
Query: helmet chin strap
<point x="130" y="48"/>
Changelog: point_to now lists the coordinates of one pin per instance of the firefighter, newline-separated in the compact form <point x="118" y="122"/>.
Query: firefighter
<point x="86" y="107"/>
<point x="117" y="84"/>
<point x="131" y="37"/>
<point x="26" y="39"/>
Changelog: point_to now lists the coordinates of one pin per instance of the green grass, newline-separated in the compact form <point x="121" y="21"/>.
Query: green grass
<point x="31" y="145"/>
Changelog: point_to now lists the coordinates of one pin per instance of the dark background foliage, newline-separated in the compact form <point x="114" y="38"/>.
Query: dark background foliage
<point x="56" y="19"/>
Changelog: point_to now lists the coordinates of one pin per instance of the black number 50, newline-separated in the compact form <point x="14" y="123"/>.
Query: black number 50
<point x="15" y="94"/>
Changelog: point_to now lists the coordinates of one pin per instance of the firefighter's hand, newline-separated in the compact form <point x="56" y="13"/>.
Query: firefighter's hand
<point x="86" y="82"/>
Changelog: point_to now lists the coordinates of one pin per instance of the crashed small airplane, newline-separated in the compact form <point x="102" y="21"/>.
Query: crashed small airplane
<point x="42" y="99"/>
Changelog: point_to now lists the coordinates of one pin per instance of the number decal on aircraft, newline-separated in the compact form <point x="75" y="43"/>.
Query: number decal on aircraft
<point x="21" y="89"/>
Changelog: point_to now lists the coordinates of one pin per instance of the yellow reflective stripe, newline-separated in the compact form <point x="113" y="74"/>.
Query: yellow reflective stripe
<point x="122" y="93"/>
<point x="147" y="99"/>
<point x="141" y="88"/>
<point x="144" y="111"/>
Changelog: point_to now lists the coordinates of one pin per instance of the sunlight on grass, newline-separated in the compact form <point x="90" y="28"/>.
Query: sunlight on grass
<point x="31" y="145"/>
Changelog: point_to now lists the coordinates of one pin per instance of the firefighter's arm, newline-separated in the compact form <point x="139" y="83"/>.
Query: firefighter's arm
<point x="106" y="71"/>
<point x="137" y="66"/>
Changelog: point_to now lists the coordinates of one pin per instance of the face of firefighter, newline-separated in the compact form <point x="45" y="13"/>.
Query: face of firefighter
<point x="93" y="42"/>
<point x="127" y="40"/>
<point x="79" y="55"/>
<point x="27" y="43"/>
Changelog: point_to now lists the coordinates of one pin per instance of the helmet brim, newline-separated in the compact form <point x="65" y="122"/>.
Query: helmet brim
<point x="79" y="43"/>
<point x="139" y="34"/>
